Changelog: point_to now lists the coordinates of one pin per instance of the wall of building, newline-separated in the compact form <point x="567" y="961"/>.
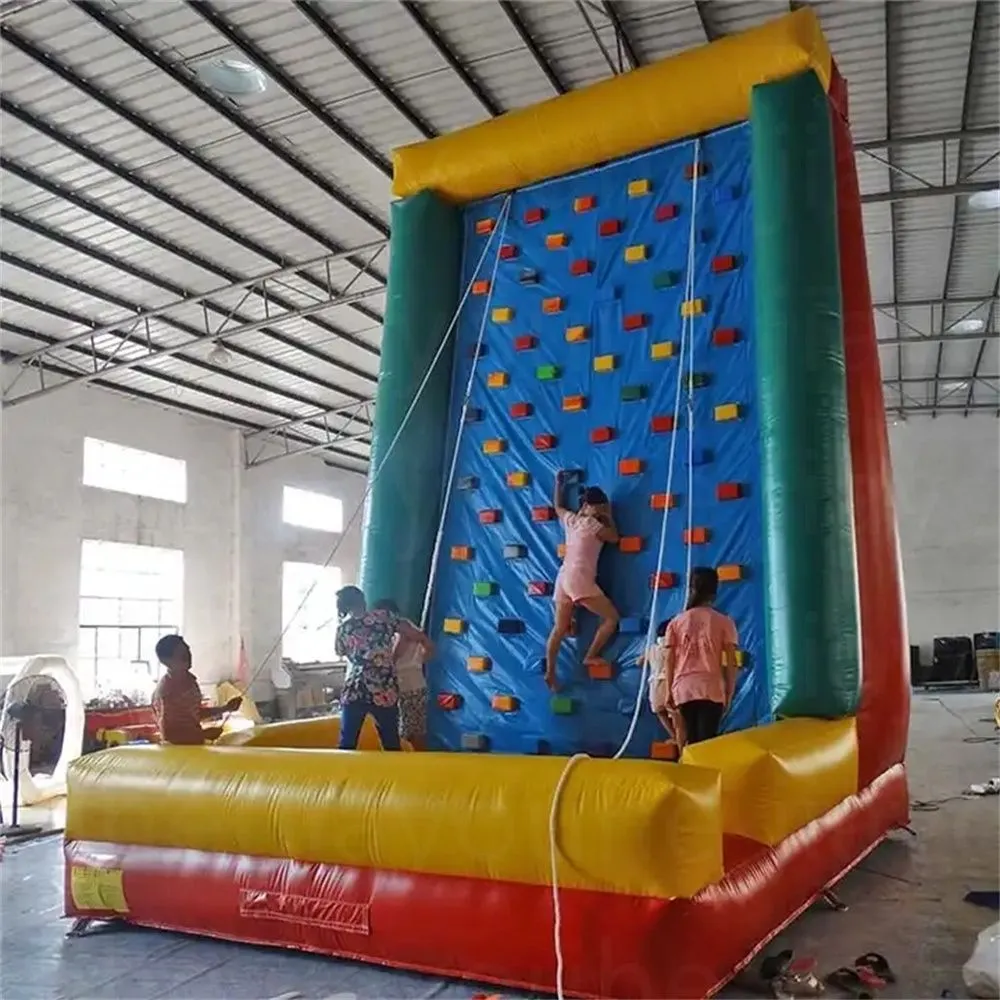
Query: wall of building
<point x="230" y="529"/>
<point x="947" y="481"/>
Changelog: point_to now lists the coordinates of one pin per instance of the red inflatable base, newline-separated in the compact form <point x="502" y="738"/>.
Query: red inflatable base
<point x="501" y="932"/>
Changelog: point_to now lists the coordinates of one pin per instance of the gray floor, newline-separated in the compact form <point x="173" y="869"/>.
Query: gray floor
<point x="905" y="901"/>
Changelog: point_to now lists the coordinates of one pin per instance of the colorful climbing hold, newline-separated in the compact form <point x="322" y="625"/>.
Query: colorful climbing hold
<point x="730" y="573"/>
<point x="504" y="703"/>
<point x="481" y="287"/>
<point x="633" y="393"/>
<point x="556" y="241"/>
<point x="575" y="403"/>
<point x="724" y="262"/>
<point x="494" y="446"/>
<point x="546" y="373"/>
<point x="697" y="380"/>
<point x="666" y="279"/>
<point x="692" y="307"/>
<point x="663" y="424"/>
<point x="461" y="553"/>
<point x="514" y="550"/>
<point x="729" y="491"/>
<point x="638" y="188"/>
<point x="662" y="501"/>
<point x="502" y="314"/>
<point x="498" y="380"/>
<point x="526" y="342"/>
<point x="634" y="321"/>
<point x="449" y="701"/>
<point x="518" y="479"/>
<point x="453" y="626"/>
<point x="585" y="203"/>
<point x="661" y="350"/>
<point x="552" y="305"/>
<point x="561" y="704"/>
<point x="508" y="251"/>
<point x="485" y="226"/>
<point x="725" y="336"/>
<point x="478" y="664"/>
<point x="576" y="334"/>
<point x="491" y="515"/>
<point x="602" y="435"/>
<point x="533" y="215"/>
<point x="543" y="513"/>
<point x="663" y="750"/>
<point x="695" y="536"/>
<point x="630" y="543"/>
<point x="635" y="254"/>
<point x="484" y="588"/>
<point x="528" y="276"/>
<point x="545" y="442"/>
<point x="664" y="213"/>
<point x="600" y="670"/>
<point x="580" y="267"/>
<point x="521" y="409"/>
<point x="630" y="466"/>
<point x="692" y="170"/>
<point x="605" y="363"/>
<point x="727" y="411"/>
<point x="662" y="580"/>
<point x="539" y="588"/>
<point x="609" y="227"/>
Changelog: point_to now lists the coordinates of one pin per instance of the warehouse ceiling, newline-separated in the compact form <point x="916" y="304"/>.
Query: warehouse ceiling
<point x="195" y="195"/>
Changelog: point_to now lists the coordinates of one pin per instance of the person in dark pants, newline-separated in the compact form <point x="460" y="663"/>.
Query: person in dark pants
<point x="700" y="671"/>
<point x="367" y="640"/>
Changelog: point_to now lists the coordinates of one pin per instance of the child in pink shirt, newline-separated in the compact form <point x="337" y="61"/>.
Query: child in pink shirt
<point x="586" y="531"/>
<point x="699" y="667"/>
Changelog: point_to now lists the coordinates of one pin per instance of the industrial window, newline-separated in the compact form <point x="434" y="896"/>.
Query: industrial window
<point x="111" y="466"/>
<point x="308" y="611"/>
<point x="306" y="509"/>
<point x="130" y="596"/>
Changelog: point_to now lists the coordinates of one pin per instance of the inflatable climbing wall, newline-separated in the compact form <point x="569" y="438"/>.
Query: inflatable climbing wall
<point x="582" y="291"/>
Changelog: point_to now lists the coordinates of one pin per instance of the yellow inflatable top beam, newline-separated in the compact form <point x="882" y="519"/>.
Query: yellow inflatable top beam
<point x="694" y="92"/>
<point x="634" y="827"/>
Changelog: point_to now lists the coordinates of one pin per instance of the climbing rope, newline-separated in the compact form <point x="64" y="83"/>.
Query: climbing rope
<point x="377" y="471"/>
<point x="686" y="342"/>
<point x="438" y="537"/>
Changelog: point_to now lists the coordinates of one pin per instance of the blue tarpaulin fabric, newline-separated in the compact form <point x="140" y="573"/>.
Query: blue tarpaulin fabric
<point x="726" y="451"/>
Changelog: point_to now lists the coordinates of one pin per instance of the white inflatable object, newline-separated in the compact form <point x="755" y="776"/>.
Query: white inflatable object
<point x="14" y="671"/>
<point x="982" y="971"/>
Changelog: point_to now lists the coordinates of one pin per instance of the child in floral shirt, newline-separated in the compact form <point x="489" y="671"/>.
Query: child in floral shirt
<point x="367" y="640"/>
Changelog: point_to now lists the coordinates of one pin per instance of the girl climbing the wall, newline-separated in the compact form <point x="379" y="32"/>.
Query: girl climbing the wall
<point x="699" y="672"/>
<point x="586" y="531"/>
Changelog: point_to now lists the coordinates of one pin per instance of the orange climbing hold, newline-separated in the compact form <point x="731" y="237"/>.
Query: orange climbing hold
<point x="504" y="703"/>
<point x="630" y="543"/>
<point x="630" y="466"/>
<point x="485" y="226"/>
<point x="663" y="501"/>
<point x="695" y="536"/>
<point x="552" y="305"/>
<point x="572" y="404"/>
<point x="730" y="573"/>
<point x="556" y="241"/>
<point x="585" y="203"/>
<point x="600" y="670"/>
<point x="481" y="287"/>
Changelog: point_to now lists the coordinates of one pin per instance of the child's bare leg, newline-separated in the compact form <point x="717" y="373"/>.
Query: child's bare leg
<point x="608" y="614"/>
<point x="563" y="620"/>
<point x="664" y="716"/>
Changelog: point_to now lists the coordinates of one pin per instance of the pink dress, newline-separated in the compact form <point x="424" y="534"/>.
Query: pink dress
<point x="577" y="579"/>
<point x="698" y="638"/>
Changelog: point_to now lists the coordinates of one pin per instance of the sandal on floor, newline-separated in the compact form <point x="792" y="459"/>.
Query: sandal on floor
<point x="879" y="964"/>
<point x="796" y="980"/>
<point x="859" y="982"/>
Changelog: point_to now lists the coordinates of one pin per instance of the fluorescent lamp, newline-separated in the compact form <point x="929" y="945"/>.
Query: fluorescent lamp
<point x="985" y="199"/>
<point x="966" y="326"/>
<point x="232" y="77"/>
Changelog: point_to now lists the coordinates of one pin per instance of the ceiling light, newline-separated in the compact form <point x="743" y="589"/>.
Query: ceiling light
<point x="967" y="326"/>
<point x="985" y="199"/>
<point x="220" y="356"/>
<point x="956" y="386"/>
<point x="232" y="77"/>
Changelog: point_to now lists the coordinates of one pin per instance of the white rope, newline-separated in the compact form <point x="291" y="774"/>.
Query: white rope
<point x="377" y="471"/>
<point x="687" y="341"/>
<point x="439" y="536"/>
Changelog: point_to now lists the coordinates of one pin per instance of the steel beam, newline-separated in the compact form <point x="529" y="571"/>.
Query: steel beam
<point x="142" y="314"/>
<point x="156" y="281"/>
<point x="621" y="33"/>
<point x="936" y="191"/>
<point x="174" y="381"/>
<point x="99" y="360"/>
<point x="959" y="408"/>
<point x="920" y="379"/>
<point x="310" y="10"/>
<point x="952" y="300"/>
<point x="445" y="52"/>
<point x="337" y="427"/>
<point x="927" y="138"/>
<point x="532" y="46"/>
<point x="283" y="79"/>
<point x="150" y="235"/>
<point x="936" y="338"/>
<point x="990" y="318"/>
<point x="226" y="110"/>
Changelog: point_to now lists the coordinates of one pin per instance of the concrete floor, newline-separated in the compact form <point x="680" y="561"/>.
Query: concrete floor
<point x="905" y="901"/>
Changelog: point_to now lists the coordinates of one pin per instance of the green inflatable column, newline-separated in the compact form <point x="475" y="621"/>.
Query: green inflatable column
<point x="810" y="567"/>
<point x="401" y="518"/>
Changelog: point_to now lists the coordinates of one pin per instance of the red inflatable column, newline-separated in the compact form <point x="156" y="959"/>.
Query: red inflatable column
<point x="884" y="711"/>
